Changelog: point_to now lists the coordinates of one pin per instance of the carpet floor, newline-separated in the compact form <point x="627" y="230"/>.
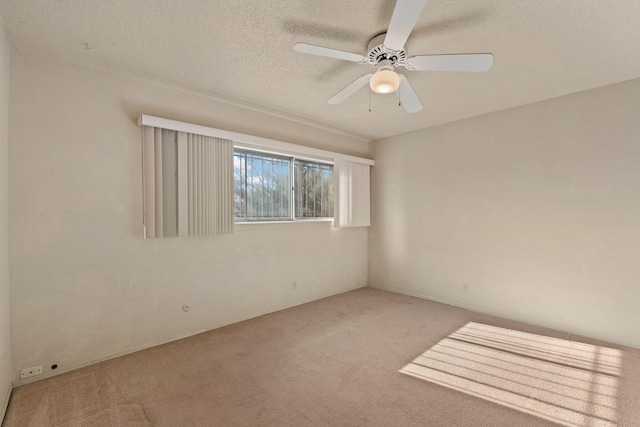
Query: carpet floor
<point x="335" y="362"/>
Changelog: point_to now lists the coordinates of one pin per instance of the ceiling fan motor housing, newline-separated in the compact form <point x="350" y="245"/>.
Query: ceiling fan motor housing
<point x="377" y="53"/>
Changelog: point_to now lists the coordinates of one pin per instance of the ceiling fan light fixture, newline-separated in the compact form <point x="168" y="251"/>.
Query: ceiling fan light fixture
<point x="384" y="81"/>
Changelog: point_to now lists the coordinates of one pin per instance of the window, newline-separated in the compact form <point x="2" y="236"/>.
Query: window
<point x="262" y="187"/>
<point x="269" y="187"/>
<point x="313" y="190"/>
<point x="191" y="189"/>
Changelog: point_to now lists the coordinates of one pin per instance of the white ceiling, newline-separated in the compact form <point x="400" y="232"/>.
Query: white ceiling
<point x="243" y="49"/>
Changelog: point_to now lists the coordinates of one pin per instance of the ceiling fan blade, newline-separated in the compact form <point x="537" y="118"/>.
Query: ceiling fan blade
<point x="325" y="51"/>
<point x="408" y="97"/>
<point x="405" y="16"/>
<point x="350" y="89"/>
<point x="462" y="62"/>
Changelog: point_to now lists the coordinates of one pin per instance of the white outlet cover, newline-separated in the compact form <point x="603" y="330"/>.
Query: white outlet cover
<point x="31" y="372"/>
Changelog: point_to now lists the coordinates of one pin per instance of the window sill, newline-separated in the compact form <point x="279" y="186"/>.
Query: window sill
<point x="243" y="226"/>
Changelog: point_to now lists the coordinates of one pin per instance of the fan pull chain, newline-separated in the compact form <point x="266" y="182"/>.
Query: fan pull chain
<point x="369" y="100"/>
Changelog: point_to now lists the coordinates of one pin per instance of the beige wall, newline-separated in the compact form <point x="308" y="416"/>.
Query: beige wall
<point x="536" y="209"/>
<point x="85" y="285"/>
<point x="6" y="374"/>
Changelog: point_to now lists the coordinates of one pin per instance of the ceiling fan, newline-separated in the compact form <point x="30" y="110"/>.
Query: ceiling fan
<point x="386" y="53"/>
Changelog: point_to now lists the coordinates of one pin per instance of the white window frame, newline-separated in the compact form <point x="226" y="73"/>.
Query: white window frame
<point x="292" y="190"/>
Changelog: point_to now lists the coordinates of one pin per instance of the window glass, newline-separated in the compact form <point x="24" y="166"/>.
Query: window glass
<point x="269" y="187"/>
<point x="313" y="190"/>
<point x="262" y="187"/>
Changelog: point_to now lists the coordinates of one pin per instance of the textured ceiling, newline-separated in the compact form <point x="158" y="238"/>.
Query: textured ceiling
<point x="243" y="50"/>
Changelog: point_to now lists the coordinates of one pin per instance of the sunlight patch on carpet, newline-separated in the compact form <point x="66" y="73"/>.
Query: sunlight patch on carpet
<point x="567" y="382"/>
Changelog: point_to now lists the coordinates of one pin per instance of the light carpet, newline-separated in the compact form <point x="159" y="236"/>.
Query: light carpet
<point x="332" y="362"/>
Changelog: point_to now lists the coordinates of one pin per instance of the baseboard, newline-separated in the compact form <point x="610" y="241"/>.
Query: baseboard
<point x="230" y="321"/>
<point x="434" y="299"/>
<point x="5" y="404"/>
<point x="482" y="310"/>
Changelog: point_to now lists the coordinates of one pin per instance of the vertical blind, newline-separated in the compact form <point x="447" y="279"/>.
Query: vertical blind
<point x="351" y="194"/>
<point x="188" y="184"/>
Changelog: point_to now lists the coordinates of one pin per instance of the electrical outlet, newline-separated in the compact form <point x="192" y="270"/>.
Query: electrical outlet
<point x="294" y="285"/>
<point x="465" y="287"/>
<point x="31" y="372"/>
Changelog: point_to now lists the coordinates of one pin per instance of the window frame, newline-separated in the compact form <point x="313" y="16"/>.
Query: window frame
<point x="291" y="158"/>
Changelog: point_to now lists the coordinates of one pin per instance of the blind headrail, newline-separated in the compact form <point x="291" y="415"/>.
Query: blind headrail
<point x="248" y="140"/>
